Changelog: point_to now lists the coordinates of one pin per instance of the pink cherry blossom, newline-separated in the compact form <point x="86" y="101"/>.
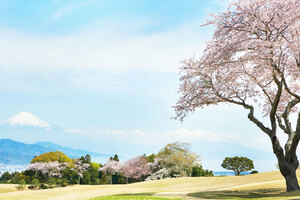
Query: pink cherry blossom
<point x="136" y="168"/>
<point x="253" y="61"/>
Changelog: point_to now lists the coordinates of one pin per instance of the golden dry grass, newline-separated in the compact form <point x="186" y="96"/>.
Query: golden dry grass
<point x="261" y="185"/>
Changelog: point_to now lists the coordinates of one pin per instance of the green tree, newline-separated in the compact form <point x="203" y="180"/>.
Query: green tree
<point x="86" y="179"/>
<point x="115" y="158"/>
<point x="51" y="181"/>
<point x="5" y="177"/>
<point x="70" y="176"/>
<point x="238" y="164"/>
<point x="150" y="158"/>
<point x="197" y="171"/>
<point x="104" y="179"/>
<point x="53" y="156"/>
<point x="118" y="178"/>
<point x="178" y="158"/>
<point x="94" y="172"/>
<point x="88" y="158"/>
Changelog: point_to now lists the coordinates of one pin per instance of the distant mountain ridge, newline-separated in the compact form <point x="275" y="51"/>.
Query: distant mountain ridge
<point x="72" y="153"/>
<point x="18" y="153"/>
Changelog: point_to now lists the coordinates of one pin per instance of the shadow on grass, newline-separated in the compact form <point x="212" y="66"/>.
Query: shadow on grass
<point x="131" y="197"/>
<point x="136" y="194"/>
<point x="244" y="194"/>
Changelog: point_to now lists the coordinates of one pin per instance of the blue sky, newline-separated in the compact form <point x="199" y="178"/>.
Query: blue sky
<point x="107" y="72"/>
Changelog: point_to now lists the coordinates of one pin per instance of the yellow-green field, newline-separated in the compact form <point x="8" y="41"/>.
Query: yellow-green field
<point x="268" y="185"/>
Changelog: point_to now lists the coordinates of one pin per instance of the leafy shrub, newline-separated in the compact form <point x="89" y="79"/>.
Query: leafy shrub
<point x="199" y="171"/>
<point x="58" y="181"/>
<point x="43" y="186"/>
<point x="22" y="185"/>
<point x="51" y="181"/>
<point x="254" y="172"/>
<point x="96" y="181"/>
<point x="74" y="181"/>
<point x="36" y="183"/>
<point x="64" y="184"/>
<point x="31" y="187"/>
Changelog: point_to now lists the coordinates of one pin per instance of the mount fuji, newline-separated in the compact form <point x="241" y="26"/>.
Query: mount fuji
<point x="26" y="120"/>
<point x="26" y="128"/>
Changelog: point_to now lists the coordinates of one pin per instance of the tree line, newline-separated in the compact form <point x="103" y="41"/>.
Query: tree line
<point x="57" y="169"/>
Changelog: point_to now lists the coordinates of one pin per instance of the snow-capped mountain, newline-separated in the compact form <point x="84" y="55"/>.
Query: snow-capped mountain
<point x="28" y="128"/>
<point x="27" y="119"/>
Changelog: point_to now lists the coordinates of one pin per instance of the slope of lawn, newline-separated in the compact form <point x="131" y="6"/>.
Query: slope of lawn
<point x="130" y="197"/>
<point x="268" y="185"/>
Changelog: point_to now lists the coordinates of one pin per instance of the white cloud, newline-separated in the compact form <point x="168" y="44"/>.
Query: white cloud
<point x="67" y="9"/>
<point x="107" y="49"/>
<point x="138" y="137"/>
<point x="149" y="138"/>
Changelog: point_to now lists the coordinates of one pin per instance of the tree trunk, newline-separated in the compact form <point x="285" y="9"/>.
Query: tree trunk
<point x="288" y="166"/>
<point x="288" y="170"/>
<point x="287" y="162"/>
<point x="291" y="182"/>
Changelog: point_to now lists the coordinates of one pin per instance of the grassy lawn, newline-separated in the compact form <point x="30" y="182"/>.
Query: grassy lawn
<point x="131" y="197"/>
<point x="5" y="190"/>
<point x="261" y="194"/>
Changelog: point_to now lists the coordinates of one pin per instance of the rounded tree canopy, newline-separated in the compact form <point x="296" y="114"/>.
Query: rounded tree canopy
<point x="52" y="157"/>
<point x="238" y="164"/>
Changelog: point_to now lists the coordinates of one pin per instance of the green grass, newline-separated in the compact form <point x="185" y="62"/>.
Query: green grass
<point x="131" y="197"/>
<point x="261" y="194"/>
<point x="136" y="194"/>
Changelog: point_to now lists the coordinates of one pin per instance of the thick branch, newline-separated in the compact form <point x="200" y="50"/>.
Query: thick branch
<point x="296" y="137"/>
<point x="287" y="87"/>
<point x="250" y="115"/>
<point x="281" y="125"/>
<point x="275" y="103"/>
<point x="257" y="122"/>
<point x="287" y="113"/>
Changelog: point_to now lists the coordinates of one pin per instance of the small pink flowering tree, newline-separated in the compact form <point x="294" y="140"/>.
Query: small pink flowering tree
<point x="135" y="168"/>
<point x="36" y="167"/>
<point x="50" y="169"/>
<point x="253" y="61"/>
<point x="110" y="168"/>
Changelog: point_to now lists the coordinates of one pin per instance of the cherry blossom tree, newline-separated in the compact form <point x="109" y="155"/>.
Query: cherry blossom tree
<point x="135" y="168"/>
<point x="80" y="167"/>
<point x="36" y="167"/>
<point x="252" y="61"/>
<point x="111" y="167"/>
<point x="48" y="168"/>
